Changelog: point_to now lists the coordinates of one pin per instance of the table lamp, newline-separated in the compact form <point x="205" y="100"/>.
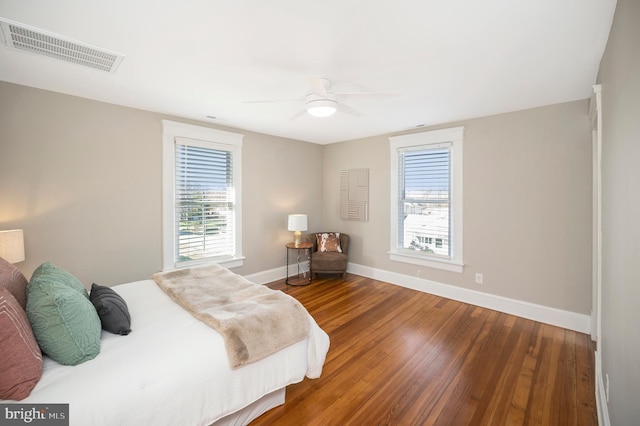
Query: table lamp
<point x="297" y="223"/>
<point x="12" y="245"/>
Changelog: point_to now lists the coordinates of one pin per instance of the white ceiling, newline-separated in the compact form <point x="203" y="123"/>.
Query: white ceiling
<point x="449" y="59"/>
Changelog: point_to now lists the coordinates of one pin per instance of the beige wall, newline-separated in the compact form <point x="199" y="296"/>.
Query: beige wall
<point x="527" y="206"/>
<point x="83" y="179"/>
<point x="620" y="341"/>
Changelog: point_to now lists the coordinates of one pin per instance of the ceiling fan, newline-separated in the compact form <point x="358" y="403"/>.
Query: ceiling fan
<point x="322" y="101"/>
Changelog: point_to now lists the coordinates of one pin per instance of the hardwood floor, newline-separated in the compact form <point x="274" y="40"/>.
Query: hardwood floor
<point x="402" y="357"/>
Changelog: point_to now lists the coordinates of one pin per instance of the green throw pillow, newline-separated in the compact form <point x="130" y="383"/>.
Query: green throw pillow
<point x="51" y="272"/>
<point x="64" y="321"/>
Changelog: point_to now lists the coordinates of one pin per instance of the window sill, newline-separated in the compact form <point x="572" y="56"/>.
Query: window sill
<point x="430" y="262"/>
<point x="228" y="263"/>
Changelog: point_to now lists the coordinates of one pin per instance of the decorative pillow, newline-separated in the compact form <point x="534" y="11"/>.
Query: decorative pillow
<point x="56" y="274"/>
<point x="12" y="279"/>
<point x="21" y="366"/>
<point x="329" y="241"/>
<point x="64" y="321"/>
<point x="112" y="309"/>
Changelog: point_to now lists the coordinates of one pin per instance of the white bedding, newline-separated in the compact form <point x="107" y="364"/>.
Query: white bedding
<point x="170" y="370"/>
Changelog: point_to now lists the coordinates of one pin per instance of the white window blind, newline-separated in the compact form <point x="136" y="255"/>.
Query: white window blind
<point x="204" y="202"/>
<point x="202" y="196"/>
<point x="424" y="205"/>
<point x="426" y="199"/>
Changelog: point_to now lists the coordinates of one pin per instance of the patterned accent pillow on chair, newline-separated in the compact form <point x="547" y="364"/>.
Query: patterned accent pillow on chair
<point x="329" y="242"/>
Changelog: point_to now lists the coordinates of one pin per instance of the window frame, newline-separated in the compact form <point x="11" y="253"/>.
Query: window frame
<point x="430" y="139"/>
<point x="209" y="138"/>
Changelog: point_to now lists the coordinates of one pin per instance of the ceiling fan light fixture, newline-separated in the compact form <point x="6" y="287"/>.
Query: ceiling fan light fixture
<point x="322" y="107"/>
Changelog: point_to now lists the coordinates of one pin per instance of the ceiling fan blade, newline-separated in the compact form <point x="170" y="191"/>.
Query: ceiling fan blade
<point x="265" y="101"/>
<point x="368" y="93"/>
<point x="318" y="85"/>
<point x="298" y="114"/>
<point x="348" y="110"/>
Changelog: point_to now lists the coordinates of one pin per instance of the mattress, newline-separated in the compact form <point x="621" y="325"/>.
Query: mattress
<point x="171" y="369"/>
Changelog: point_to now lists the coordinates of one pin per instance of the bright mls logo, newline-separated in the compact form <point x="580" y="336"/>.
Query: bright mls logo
<point x="34" y="414"/>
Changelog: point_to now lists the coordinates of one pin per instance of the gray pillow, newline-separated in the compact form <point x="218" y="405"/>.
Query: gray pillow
<point x="112" y="309"/>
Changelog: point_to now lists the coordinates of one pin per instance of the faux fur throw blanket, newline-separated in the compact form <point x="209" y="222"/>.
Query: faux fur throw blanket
<point x="254" y="321"/>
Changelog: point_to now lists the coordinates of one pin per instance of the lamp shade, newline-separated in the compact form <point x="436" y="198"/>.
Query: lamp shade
<point x="12" y="245"/>
<point x="297" y="222"/>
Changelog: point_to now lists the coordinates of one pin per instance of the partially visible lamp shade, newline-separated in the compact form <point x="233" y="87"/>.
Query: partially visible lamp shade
<point x="297" y="223"/>
<point x="12" y="245"/>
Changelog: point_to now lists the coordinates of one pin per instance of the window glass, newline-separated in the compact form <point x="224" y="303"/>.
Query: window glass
<point x="426" y="199"/>
<point x="204" y="201"/>
<point x="424" y="178"/>
<point x="202" y="195"/>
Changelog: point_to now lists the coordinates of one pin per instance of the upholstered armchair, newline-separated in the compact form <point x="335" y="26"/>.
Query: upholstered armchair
<point x="327" y="258"/>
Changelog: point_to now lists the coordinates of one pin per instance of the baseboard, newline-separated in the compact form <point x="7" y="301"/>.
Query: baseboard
<point x="601" y="394"/>
<point x="275" y="274"/>
<point x="544" y="314"/>
<point x="268" y="276"/>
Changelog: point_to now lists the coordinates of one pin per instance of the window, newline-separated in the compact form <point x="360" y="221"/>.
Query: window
<point x="201" y="196"/>
<point x="426" y="198"/>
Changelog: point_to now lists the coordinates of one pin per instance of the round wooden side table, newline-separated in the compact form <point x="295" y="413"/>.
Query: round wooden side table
<point x="298" y="248"/>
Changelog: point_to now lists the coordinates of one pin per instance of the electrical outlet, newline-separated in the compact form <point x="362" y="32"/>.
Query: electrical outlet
<point x="479" y="278"/>
<point x="418" y="273"/>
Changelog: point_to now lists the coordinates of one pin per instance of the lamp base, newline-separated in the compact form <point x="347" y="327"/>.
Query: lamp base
<point x="297" y="238"/>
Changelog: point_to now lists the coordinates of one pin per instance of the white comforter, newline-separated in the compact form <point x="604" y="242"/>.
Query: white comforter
<point x="171" y="370"/>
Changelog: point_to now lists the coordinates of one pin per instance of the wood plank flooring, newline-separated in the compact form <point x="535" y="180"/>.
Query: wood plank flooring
<point x="402" y="357"/>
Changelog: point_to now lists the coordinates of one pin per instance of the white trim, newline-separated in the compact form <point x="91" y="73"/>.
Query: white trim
<point x="227" y="262"/>
<point x="430" y="262"/>
<point x="232" y="142"/>
<point x="269" y="276"/>
<point x="177" y="129"/>
<point x="455" y="137"/>
<point x="275" y="274"/>
<point x="595" y="116"/>
<point x="601" y="394"/>
<point x="532" y="311"/>
<point x="545" y="314"/>
<point x="429" y="137"/>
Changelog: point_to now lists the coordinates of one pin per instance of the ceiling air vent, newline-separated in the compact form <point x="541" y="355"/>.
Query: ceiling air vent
<point x="22" y="37"/>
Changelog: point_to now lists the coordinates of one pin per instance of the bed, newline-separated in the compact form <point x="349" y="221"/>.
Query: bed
<point x="173" y="369"/>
